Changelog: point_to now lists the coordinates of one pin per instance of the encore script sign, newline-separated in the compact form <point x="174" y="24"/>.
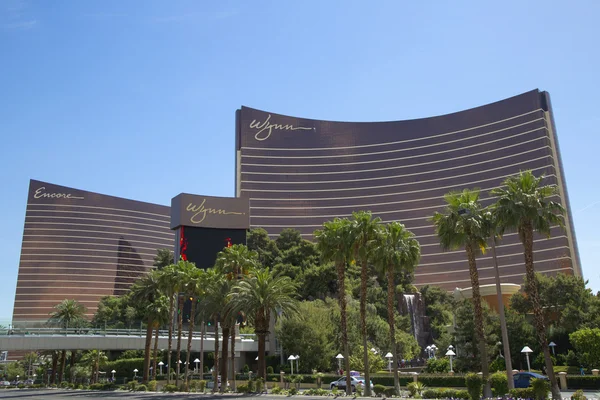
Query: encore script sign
<point x="209" y="212"/>
<point x="41" y="193"/>
<point x="266" y="128"/>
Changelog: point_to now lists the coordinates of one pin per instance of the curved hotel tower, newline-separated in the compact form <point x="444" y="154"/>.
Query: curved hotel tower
<point x="82" y="245"/>
<point x="299" y="173"/>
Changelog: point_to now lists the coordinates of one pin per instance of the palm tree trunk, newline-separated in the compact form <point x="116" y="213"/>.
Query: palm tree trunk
<point x="363" y="325"/>
<point x="344" y="324"/>
<point x="170" y="340"/>
<point x="202" y="333"/>
<point x="72" y="360"/>
<point x="232" y="362"/>
<point x="97" y="365"/>
<point x="147" y="346"/>
<point x="216" y="366"/>
<point x="224" y="357"/>
<point x="155" y="357"/>
<point x="63" y="361"/>
<point x="487" y="392"/>
<point x="538" y="316"/>
<point x="179" y="329"/>
<point x="189" y="343"/>
<point x="391" y="296"/>
<point x="54" y="367"/>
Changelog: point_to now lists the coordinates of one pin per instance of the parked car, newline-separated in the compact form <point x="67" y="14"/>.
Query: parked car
<point x="354" y="381"/>
<point x="28" y="382"/>
<point x="4" y="383"/>
<point x="523" y="379"/>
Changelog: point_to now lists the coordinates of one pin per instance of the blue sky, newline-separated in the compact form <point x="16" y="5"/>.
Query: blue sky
<point x="110" y="96"/>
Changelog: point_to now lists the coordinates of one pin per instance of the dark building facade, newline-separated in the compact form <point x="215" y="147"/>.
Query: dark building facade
<point x="298" y="173"/>
<point x="84" y="246"/>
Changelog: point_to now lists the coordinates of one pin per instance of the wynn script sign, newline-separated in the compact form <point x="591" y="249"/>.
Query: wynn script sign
<point x="41" y="193"/>
<point x="210" y="212"/>
<point x="266" y="128"/>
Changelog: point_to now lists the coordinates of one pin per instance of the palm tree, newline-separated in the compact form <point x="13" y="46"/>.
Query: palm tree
<point x="259" y="296"/>
<point x="524" y="206"/>
<point x="233" y="262"/>
<point x="195" y="287"/>
<point x="169" y="286"/>
<point x="395" y="250"/>
<point x="144" y="292"/>
<point x="184" y="269"/>
<point x="159" y="311"/>
<point x="364" y="229"/>
<point x="163" y="258"/>
<point x="463" y="224"/>
<point x="95" y="359"/>
<point x="334" y="242"/>
<point x="68" y="313"/>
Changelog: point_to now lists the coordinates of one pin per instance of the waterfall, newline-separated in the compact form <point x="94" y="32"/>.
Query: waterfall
<point x="409" y="302"/>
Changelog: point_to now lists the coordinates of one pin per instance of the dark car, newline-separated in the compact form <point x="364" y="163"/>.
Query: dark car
<point x="523" y="379"/>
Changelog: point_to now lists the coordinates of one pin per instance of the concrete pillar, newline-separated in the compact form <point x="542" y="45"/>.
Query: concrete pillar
<point x="415" y="377"/>
<point x="562" y="377"/>
<point x="281" y="374"/>
<point x="451" y="373"/>
<point x="595" y="371"/>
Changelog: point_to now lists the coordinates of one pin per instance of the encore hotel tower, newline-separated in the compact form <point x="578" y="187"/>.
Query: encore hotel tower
<point x="299" y="173"/>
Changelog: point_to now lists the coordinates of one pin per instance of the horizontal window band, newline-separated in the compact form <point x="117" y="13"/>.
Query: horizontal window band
<point x="166" y="223"/>
<point x="168" y="217"/>
<point x="413" y="148"/>
<point x="161" y="245"/>
<point x="490" y="257"/>
<point x="390" y="194"/>
<point x="462" y="251"/>
<point x="156" y="232"/>
<point x="445" y="160"/>
<point x="171" y="241"/>
<point x="111" y="245"/>
<point x="405" y="175"/>
<point x="111" y="276"/>
<point x="400" y="141"/>
<point x="491" y="277"/>
<point x="43" y="301"/>
<point x="403" y="183"/>
<point x="85" y="256"/>
<point x="82" y="262"/>
<point x="72" y="288"/>
<point x="69" y="218"/>
<point x="103" y="294"/>
<point x="114" y="251"/>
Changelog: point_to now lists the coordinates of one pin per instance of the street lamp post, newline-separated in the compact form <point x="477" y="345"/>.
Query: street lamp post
<point x="113" y="372"/>
<point x="499" y="344"/>
<point x="552" y="346"/>
<point x="196" y="361"/>
<point x="291" y="359"/>
<point x="433" y="349"/>
<point x="450" y="354"/>
<point x="135" y="371"/>
<point x="389" y="356"/>
<point x="527" y="350"/>
<point x="160" y="364"/>
<point x="339" y="357"/>
<point x="297" y="365"/>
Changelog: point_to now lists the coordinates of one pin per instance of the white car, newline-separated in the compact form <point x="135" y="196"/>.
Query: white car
<point x="354" y="381"/>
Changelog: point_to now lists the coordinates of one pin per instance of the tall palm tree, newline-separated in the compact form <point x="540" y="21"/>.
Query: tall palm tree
<point x="524" y="204"/>
<point x="159" y="310"/>
<point x="94" y="359"/>
<point x="163" y="258"/>
<point x="233" y="262"/>
<point x="463" y="224"/>
<point x="334" y="242"/>
<point x="145" y="292"/>
<point x="184" y="270"/>
<point x="195" y="287"/>
<point x="363" y="232"/>
<point x="169" y="286"/>
<point x="395" y="250"/>
<point x="261" y="295"/>
<point x="68" y="313"/>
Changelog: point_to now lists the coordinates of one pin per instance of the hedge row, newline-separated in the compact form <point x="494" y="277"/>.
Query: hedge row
<point x="124" y="368"/>
<point x="583" y="382"/>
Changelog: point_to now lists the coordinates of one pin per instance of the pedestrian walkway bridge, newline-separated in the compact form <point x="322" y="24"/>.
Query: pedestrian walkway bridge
<point x="30" y="339"/>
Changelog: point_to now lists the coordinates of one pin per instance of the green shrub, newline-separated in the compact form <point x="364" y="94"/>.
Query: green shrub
<point x="250" y="387"/>
<point x="141" y="388"/>
<point x="275" y="389"/>
<point x="259" y="385"/>
<point x="498" y="365"/>
<point x="125" y="367"/>
<point x="474" y="384"/>
<point x="20" y="386"/>
<point x="390" y="392"/>
<point x="293" y="391"/>
<point x="64" y="385"/>
<point x="445" y="394"/>
<point x="416" y="388"/>
<point x="202" y="385"/>
<point x="246" y="369"/>
<point x="578" y="395"/>
<point x="96" y="386"/>
<point x="132" y="385"/>
<point x="541" y="388"/>
<point x="526" y="393"/>
<point x="379" y="389"/>
<point x="170" y="388"/>
<point x="270" y="370"/>
<point x="437" y="365"/>
<point x="152" y="386"/>
<point x="499" y="383"/>
<point x="242" y="388"/>
<point x="314" y="392"/>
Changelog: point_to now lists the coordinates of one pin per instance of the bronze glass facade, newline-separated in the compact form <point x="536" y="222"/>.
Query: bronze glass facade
<point x="298" y="173"/>
<point x="84" y="246"/>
